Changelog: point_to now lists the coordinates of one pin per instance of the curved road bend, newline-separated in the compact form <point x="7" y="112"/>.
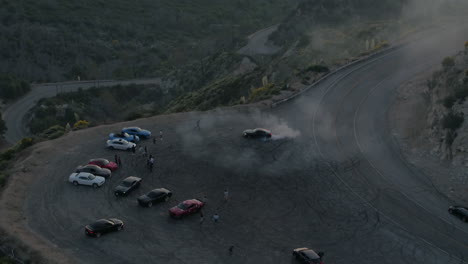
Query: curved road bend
<point x="348" y="122"/>
<point x="14" y="114"/>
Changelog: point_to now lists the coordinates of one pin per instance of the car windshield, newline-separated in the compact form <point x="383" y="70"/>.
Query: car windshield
<point x="103" y="162"/>
<point x="183" y="206"/>
<point x="311" y="255"/>
<point x="127" y="183"/>
<point x="91" y="177"/>
<point x="100" y="223"/>
<point x="153" y="194"/>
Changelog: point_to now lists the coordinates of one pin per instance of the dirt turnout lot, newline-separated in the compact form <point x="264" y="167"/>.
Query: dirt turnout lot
<point x="281" y="197"/>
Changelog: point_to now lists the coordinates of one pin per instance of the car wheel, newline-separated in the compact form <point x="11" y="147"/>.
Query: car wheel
<point x="75" y="183"/>
<point x="119" y="228"/>
<point x="150" y="204"/>
<point x="95" y="185"/>
<point x="166" y="198"/>
<point x="98" y="234"/>
<point x="111" y="147"/>
<point x="450" y="211"/>
<point x="116" y="194"/>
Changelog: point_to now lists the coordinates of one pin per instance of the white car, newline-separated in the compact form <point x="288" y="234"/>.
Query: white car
<point x="119" y="143"/>
<point x="85" y="178"/>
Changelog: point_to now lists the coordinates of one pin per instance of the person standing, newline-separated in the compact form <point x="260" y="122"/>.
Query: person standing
<point x="141" y="151"/>
<point x="161" y="135"/>
<point x="215" y="218"/>
<point x="119" y="162"/>
<point x="146" y="151"/>
<point x="116" y="159"/>
<point x="198" y="125"/>
<point x="151" y="163"/>
<point x="226" y="195"/>
<point x="133" y="150"/>
<point x="202" y="218"/>
<point x="154" y="140"/>
<point x="231" y="249"/>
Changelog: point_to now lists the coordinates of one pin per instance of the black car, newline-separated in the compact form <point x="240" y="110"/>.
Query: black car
<point x="155" y="196"/>
<point x="103" y="226"/>
<point x="308" y="256"/>
<point x="95" y="170"/>
<point x="127" y="185"/>
<point x="257" y="133"/>
<point x="460" y="211"/>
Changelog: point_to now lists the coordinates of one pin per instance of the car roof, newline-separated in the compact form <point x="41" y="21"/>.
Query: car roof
<point x="100" y="222"/>
<point x="310" y="254"/>
<point x="119" y="139"/>
<point x="131" y="128"/>
<point x="262" y="129"/>
<point x="160" y="190"/>
<point x="191" y="201"/>
<point x="84" y="174"/>
<point x="99" y="159"/>
<point x="131" y="179"/>
<point x="90" y="166"/>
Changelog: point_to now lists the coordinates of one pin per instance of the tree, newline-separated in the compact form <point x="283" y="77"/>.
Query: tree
<point x="3" y="127"/>
<point x="448" y="62"/>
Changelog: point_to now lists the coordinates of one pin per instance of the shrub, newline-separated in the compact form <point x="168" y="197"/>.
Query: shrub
<point x="317" y="68"/>
<point x="3" y="180"/>
<point x="263" y="92"/>
<point x="448" y="62"/>
<point x="81" y="124"/>
<point x="133" y="116"/>
<point x="25" y="142"/>
<point x="7" y="154"/>
<point x="449" y="101"/>
<point x="3" y="164"/>
<point x="461" y="93"/>
<point x="53" y="132"/>
<point x="452" y="121"/>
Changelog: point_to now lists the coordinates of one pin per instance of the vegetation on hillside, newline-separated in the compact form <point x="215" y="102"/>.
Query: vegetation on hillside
<point x="47" y="40"/>
<point x="3" y="127"/>
<point x="12" y="87"/>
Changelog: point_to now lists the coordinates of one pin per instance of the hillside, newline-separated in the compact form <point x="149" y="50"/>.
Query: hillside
<point x="446" y="122"/>
<point x="49" y="40"/>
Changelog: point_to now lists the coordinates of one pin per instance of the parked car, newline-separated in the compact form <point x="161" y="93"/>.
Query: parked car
<point x="103" y="226"/>
<point x="142" y="133"/>
<point x="119" y="143"/>
<point x="95" y="170"/>
<point x="126" y="136"/>
<point x="154" y="196"/>
<point x="103" y="163"/>
<point x="127" y="185"/>
<point x="257" y="133"/>
<point x="186" y="207"/>
<point x="84" y="178"/>
<point x="459" y="211"/>
<point x="308" y="256"/>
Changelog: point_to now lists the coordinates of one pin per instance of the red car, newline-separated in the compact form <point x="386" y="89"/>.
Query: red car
<point x="186" y="207"/>
<point x="103" y="163"/>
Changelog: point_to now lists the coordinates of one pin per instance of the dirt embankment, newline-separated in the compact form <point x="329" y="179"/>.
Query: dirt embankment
<point x="413" y="129"/>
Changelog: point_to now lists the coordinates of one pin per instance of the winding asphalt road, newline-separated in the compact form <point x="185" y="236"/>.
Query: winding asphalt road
<point x="15" y="113"/>
<point x="332" y="179"/>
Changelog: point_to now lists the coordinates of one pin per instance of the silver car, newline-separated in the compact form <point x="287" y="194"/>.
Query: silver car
<point x="84" y="178"/>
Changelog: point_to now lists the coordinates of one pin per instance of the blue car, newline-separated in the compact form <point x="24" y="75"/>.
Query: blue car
<point x="126" y="136"/>
<point x="142" y="133"/>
